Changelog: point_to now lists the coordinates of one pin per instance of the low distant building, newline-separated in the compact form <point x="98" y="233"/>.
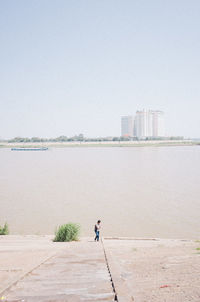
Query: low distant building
<point x="127" y="125"/>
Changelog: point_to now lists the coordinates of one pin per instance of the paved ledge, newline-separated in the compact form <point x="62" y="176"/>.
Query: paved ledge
<point x="128" y="238"/>
<point x="33" y="268"/>
<point x="155" y="270"/>
<point x="19" y="255"/>
<point x="38" y="269"/>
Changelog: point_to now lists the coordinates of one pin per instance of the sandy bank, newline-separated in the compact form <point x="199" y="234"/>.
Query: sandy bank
<point x="149" y="143"/>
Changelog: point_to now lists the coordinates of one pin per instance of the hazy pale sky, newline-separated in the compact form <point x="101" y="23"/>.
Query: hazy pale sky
<point x="70" y="67"/>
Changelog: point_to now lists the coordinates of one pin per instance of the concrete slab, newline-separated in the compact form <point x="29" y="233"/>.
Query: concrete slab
<point x="78" y="272"/>
<point x="20" y="254"/>
<point x="142" y="270"/>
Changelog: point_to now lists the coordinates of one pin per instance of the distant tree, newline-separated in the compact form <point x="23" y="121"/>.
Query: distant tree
<point x="35" y="139"/>
<point x="17" y="139"/>
<point x="81" y="137"/>
<point x="125" y="138"/>
<point x="116" y="139"/>
<point x="176" y="138"/>
<point x="27" y="140"/>
<point x="61" y="138"/>
<point x="77" y="138"/>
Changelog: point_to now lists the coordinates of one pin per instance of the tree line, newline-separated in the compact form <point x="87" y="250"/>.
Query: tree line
<point x="81" y="138"/>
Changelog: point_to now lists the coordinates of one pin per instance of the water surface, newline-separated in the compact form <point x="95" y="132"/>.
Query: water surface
<point x="144" y="191"/>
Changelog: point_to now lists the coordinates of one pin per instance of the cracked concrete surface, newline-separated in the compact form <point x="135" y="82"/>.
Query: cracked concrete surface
<point x="33" y="268"/>
<point x="77" y="272"/>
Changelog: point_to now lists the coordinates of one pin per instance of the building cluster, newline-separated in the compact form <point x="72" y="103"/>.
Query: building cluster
<point x="145" y="123"/>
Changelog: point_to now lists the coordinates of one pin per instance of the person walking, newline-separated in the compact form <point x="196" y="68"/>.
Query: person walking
<point x="97" y="230"/>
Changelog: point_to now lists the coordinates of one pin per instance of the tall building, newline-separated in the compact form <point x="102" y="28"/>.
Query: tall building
<point x="149" y="124"/>
<point x="158" y="124"/>
<point x="127" y="125"/>
<point x="143" y="124"/>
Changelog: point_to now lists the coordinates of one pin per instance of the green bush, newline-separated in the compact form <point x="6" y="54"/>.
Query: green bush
<point x="4" y="230"/>
<point x="67" y="232"/>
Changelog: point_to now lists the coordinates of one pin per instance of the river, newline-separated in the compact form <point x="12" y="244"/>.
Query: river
<point x="135" y="191"/>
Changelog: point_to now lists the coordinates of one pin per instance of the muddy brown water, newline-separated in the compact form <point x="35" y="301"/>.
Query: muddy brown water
<point x="143" y="192"/>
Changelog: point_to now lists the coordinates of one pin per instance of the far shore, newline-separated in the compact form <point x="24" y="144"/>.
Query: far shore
<point x="152" y="143"/>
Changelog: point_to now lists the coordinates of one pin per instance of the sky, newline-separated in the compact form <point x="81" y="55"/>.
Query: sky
<point x="76" y="66"/>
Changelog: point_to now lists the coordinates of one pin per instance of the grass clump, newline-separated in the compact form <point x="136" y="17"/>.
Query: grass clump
<point x="67" y="232"/>
<point x="4" y="230"/>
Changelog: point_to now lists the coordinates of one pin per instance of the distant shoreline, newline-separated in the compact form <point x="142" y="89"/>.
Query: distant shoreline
<point x="103" y="144"/>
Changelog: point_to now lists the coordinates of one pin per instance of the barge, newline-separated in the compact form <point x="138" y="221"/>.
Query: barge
<point x="29" y="149"/>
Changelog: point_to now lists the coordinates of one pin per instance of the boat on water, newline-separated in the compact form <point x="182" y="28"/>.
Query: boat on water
<point x="29" y="149"/>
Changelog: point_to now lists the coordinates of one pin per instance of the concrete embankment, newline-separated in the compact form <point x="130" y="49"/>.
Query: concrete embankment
<point x="33" y="268"/>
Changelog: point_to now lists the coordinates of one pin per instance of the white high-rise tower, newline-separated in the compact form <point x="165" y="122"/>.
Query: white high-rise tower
<point x="149" y="124"/>
<point x="158" y="126"/>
